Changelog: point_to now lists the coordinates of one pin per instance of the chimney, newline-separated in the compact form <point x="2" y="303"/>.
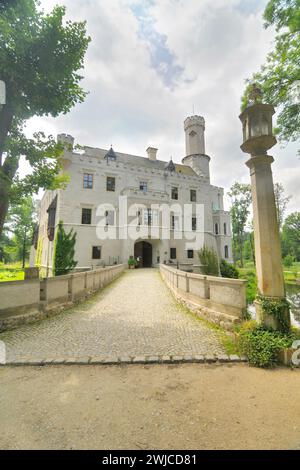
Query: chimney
<point x="151" y="151"/>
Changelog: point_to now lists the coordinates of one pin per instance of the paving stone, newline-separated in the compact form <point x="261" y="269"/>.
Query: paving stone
<point x="223" y="358"/>
<point x="188" y="358"/>
<point x="210" y="358"/>
<point x="139" y="360"/>
<point x="177" y="358"/>
<point x="235" y="358"/>
<point x="125" y="360"/>
<point x="137" y="316"/>
<point x="166" y="359"/>
<point x="199" y="358"/>
<point x="111" y="360"/>
<point x="48" y="360"/>
<point x="152" y="359"/>
<point x="71" y="360"/>
<point x="97" y="360"/>
<point x="244" y="358"/>
<point x="59" y="360"/>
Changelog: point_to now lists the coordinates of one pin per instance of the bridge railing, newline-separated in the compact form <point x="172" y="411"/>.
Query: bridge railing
<point x="219" y="299"/>
<point x="34" y="299"/>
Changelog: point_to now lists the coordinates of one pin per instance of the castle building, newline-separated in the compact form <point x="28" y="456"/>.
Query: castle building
<point x="123" y="206"/>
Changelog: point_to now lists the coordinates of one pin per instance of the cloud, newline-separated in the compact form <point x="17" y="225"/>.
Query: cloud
<point x="151" y="61"/>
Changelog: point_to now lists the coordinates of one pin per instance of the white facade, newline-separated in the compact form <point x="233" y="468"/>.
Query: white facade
<point x="98" y="177"/>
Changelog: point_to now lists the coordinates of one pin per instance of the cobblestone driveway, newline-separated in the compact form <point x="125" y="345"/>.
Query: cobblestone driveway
<point x="137" y="315"/>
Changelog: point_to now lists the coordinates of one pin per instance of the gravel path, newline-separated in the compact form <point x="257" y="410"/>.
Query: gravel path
<point x="135" y="316"/>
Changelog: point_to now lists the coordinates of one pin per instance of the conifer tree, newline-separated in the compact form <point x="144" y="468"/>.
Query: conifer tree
<point x="64" y="250"/>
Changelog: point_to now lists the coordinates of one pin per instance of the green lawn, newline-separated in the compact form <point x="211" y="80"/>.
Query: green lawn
<point x="248" y="272"/>
<point x="11" y="272"/>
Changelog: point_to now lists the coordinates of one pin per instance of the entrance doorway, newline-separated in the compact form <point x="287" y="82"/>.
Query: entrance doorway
<point x="143" y="250"/>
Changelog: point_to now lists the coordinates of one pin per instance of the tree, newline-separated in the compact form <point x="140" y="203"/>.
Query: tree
<point x="291" y="236"/>
<point x="64" y="250"/>
<point x="279" y="77"/>
<point x="209" y="261"/>
<point x="21" y="222"/>
<point x="281" y="202"/>
<point x="241" y="199"/>
<point x="40" y="56"/>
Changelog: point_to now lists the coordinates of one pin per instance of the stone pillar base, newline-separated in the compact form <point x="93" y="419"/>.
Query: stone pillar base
<point x="269" y="320"/>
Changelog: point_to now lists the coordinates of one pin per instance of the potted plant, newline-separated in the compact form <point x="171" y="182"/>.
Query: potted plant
<point x="131" y="262"/>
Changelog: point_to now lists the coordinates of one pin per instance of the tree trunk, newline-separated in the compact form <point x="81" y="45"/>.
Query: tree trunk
<point x="4" y="200"/>
<point x="241" y="250"/>
<point x="7" y="169"/>
<point x="6" y="117"/>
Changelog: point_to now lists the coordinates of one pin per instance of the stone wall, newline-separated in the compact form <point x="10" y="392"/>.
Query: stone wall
<point x="218" y="299"/>
<point x="31" y="300"/>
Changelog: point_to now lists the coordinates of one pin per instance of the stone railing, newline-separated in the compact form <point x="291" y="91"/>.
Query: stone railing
<point x="221" y="300"/>
<point x="31" y="300"/>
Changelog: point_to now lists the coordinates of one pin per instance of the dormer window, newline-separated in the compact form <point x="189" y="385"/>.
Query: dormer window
<point x="111" y="156"/>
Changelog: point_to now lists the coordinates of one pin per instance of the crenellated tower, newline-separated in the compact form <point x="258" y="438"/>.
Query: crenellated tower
<point x="196" y="158"/>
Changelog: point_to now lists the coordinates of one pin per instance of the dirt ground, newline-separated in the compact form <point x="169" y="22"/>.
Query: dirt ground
<point x="189" y="406"/>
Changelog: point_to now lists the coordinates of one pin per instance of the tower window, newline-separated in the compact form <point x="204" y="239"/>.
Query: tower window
<point x="110" y="183"/>
<point x="194" y="224"/>
<point x="172" y="253"/>
<point x="193" y="195"/>
<point x="86" y="216"/>
<point x="88" y="181"/>
<point x="174" y="193"/>
<point x="225" y="228"/>
<point x="216" y="229"/>
<point x="226" y="252"/>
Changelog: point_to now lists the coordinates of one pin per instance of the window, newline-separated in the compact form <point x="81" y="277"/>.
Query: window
<point x="226" y="252"/>
<point x="151" y="217"/>
<point x="190" y="254"/>
<point x="96" y="252"/>
<point x="216" y="229"/>
<point x="88" y="180"/>
<point x="225" y="228"/>
<point x="172" y="253"/>
<point x="174" y="222"/>
<point x="110" y="183"/>
<point x="143" y="186"/>
<point x="110" y="217"/>
<point x="194" y="224"/>
<point x="193" y="195"/>
<point x="174" y="193"/>
<point x="86" y="216"/>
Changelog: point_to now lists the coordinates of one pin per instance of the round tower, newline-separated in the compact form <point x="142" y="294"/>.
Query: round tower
<point x="194" y="128"/>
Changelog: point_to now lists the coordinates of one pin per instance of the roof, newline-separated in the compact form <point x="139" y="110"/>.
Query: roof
<point x="145" y="162"/>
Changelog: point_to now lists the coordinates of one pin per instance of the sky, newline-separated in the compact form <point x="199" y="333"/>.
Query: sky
<point x="152" y="63"/>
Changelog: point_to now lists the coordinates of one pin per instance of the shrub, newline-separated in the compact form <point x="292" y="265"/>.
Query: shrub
<point x="64" y="250"/>
<point x="260" y="345"/>
<point x="288" y="261"/>
<point x="228" y="270"/>
<point x="209" y="260"/>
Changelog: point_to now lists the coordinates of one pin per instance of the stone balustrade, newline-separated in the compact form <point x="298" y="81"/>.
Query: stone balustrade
<point x="220" y="300"/>
<point x="31" y="300"/>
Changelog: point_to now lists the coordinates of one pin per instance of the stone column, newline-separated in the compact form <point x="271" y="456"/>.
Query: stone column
<point x="266" y="235"/>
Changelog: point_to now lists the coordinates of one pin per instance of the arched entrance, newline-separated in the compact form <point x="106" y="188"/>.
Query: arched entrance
<point x="143" y="250"/>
